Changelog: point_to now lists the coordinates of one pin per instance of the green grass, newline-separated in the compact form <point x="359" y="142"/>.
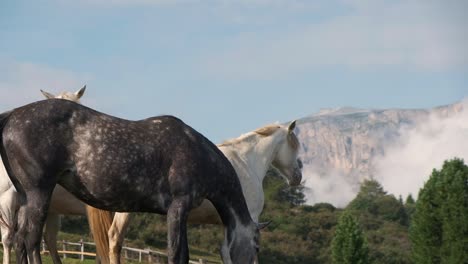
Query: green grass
<point x="48" y="260"/>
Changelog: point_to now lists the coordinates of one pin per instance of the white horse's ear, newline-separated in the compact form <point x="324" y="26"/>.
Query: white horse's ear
<point x="80" y="92"/>
<point x="291" y="126"/>
<point x="47" y="95"/>
<point x="262" y="225"/>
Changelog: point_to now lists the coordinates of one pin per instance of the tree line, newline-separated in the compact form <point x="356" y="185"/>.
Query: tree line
<point x="438" y="220"/>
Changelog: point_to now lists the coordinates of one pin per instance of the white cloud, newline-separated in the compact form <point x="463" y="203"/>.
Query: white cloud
<point x="334" y="187"/>
<point x="408" y="163"/>
<point x="416" y="35"/>
<point x="20" y="82"/>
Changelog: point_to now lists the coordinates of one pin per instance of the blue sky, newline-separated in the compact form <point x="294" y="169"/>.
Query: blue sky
<point x="228" y="67"/>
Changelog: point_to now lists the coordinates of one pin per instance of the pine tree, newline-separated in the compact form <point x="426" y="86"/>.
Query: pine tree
<point x="439" y="228"/>
<point x="409" y="200"/>
<point x="454" y="212"/>
<point x="373" y="199"/>
<point x="410" y="206"/>
<point x="425" y="228"/>
<point x="349" y="245"/>
<point x="369" y="191"/>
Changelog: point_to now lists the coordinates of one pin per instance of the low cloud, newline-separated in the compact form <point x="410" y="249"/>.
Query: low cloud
<point x="333" y="187"/>
<point x="408" y="163"/>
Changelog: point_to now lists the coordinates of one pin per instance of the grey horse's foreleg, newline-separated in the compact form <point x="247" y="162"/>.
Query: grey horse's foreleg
<point x="21" y="255"/>
<point x="31" y="219"/>
<point x="19" y="238"/>
<point x="177" y="244"/>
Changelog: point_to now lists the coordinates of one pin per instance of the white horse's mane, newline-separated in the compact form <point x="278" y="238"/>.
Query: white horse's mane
<point x="265" y="131"/>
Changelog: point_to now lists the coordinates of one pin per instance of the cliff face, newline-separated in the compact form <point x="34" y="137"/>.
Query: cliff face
<point x="346" y="140"/>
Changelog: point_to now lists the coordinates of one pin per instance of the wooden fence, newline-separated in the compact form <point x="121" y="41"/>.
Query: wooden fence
<point x="134" y="254"/>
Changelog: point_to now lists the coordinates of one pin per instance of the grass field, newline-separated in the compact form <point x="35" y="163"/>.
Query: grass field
<point x="47" y="260"/>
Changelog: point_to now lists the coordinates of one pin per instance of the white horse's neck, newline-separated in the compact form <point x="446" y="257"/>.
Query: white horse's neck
<point x="251" y="155"/>
<point x="257" y="151"/>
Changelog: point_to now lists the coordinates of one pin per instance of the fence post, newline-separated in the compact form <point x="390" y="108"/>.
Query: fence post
<point x="82" y="249"/>
<point x="150" y="258"/>
<point x="64" y="245"/>
<point x="158" y="259"/>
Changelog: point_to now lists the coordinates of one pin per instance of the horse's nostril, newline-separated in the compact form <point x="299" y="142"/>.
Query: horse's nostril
<point x="299" y="163"/>
<point x="297" y="177"/>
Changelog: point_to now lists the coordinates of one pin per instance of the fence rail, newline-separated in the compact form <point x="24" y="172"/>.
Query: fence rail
<point x="129" y="253"/>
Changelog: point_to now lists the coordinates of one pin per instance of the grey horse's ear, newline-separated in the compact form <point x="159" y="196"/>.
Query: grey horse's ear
<point x="291" y="126"/>
<point x="262" y="225"/>
<point x="47" y="95"/>
<point x="80" y="92"/>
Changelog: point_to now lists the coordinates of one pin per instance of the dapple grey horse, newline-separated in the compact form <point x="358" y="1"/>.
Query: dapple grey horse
<point x="159" y="165"/>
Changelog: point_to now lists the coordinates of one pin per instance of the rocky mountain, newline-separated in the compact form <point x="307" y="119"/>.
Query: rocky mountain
<point x="346" y="140"/>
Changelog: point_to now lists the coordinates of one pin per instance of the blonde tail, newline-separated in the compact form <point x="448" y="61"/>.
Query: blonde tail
<point x="100" y="222"/>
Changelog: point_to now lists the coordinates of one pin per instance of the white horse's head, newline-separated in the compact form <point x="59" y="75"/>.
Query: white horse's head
<point x="72" y="96"/>
<point x="286" y="160"/>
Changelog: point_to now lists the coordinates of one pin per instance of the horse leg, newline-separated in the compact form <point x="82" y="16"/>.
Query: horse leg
<point x="20" y="251"/>
<point x="116" y="236"/>
<point x="52" y="226"/>
<point x="7" y="241"/>
<point x="19" y="239"/>
<point x="8" y="205"/>
<point x="177" y="244"/>
<point x="31" y="218"/>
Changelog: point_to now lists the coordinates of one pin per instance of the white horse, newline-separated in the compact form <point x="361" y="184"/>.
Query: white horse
<point x="62" y="202"/>
<point x="251" y="155"/>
